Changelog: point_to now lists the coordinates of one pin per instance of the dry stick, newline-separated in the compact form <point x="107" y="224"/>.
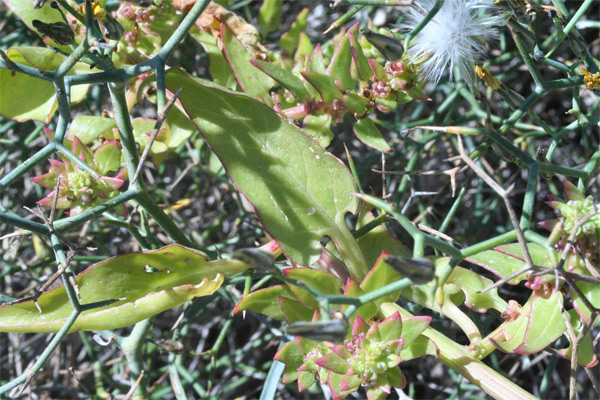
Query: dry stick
<point x="135" y="385"/>
<point x="159" y="121"/>
<point x="502" y="193"/>
<point x="451" y="173"/>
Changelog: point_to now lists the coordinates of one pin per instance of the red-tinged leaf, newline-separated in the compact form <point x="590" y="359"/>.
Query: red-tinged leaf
<point x="305" y="345"/>
<point x="592" y="292"/>
<point x="341" y="351"/>
<point x="355" y="103"/>
<point x="377" y="69"/>
<point x="290" y="354"/>
<point x="252" y="81"/>
<point x="340" y="65"/>
<point x="507" y="259"/>
<point x="472" y="284"/>
<point x="286" y="79"/>
<point x="586" y="355"/>
<point x="47" y="180"/>
<point x="379" y="276"/>
<point x="180" y="274"/>
<point x="396" y="347"/>
<point x="290" y="40"/>
<point x="396" y="378"/>
<point x="108" y="157"/>
<point x="265" y="301"/>
<point x="572" y="193"/>
<point x="334" y="381"/>
<point x="333" y="362"/>
<point x="545" y="323"/>
<point x="322" y="281"/>
<point x="413" y="327"/>
<point x="419" y="347"/>
<point x="366" y="131"/>
<point x="391" y="327"/>
<point x="365" y="311"/>
<point x="325" y="85"/>
<point x="376" y="394"/>
<point x="359" y="326"/>
<point x="299" y="191"/>
<point x="294" y="311"/>
<point x="305" y="47"/>
<point x="361" y="69"/>
<point x="290" y="374"/>
<point x="316" y="61"/>
<point x="88" y="128"/>
<point x="350" y="383"/>
<point x="306" y="380"/>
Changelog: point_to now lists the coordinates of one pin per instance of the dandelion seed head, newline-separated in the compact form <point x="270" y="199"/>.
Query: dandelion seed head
<point x="456" y="36"/>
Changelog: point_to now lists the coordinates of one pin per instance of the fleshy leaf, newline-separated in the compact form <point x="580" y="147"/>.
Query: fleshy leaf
<point x="370" y="135"/>
<point x="355" y="103"/>
<point x="306" y="380"/>
<point x="333" y="362"/>
<point x="269" y="16"/>
<point x="290" y="40"/>
<point x="471" y="284"/>
<point x="300" y="192"/>
<point x="586" y="356"/>
<point x="178" y="275"/>
<point x="286" y="79"/>
<point x="294" y="311"/>
<point x="391" y="327"/>
<point x="265" y="301"/>
<point x="506" y="259"/>
<point x="592" y="292"/>
<point x="379" y="276"/>
<point x="340" y="65"/>
<point x="252" y="81"/>
<point x="365" y="311"/>
<point x="325" y="85"/>
<point x="88" y="127"/>
<point x="290" y="354"/>
<point x="318" y="127"/>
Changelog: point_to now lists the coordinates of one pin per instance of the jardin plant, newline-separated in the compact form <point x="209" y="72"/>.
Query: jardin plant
<point x="224" y="203"/>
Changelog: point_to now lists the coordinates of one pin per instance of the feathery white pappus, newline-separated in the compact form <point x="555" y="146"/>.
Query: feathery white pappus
<point x="455" y="36"/>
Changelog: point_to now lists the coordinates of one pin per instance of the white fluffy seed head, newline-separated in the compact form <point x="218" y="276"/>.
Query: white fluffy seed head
<point x="455" y="36"/>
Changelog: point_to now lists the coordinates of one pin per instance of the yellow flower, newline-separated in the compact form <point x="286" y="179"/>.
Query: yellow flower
<point x="489" y="79"/>
<point x="97" y="10"/>
<point x="591" y="80"/>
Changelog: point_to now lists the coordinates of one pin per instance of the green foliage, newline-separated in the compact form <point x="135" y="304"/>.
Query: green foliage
<point x="267" y="123"/>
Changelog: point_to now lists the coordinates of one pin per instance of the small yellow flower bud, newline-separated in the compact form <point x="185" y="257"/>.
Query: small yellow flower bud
<point x="591" y="80"/>
<point x="97" y="10"/>
<point x="489" y="79"/>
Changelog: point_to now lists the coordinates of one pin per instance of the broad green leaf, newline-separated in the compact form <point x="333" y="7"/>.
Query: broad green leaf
<point x="252" y="81"/>
<point x="269" y="16"/>
<point x="325" y="85"/>
<point x="286" y="79"/>
<point x="472" y="284"/>
<point x="177" y="274"/>
<point x="265" y="301"/>
<point x="370" y="135"/>
<point x="340" y="65"/>
<point x="19" y="87"/>
<point x="289" y="41"/>
<point x="219" y="67"/>
<point x="506" y="259"/>
<point x="88" y="128"/>
<point x="300" y="192"/>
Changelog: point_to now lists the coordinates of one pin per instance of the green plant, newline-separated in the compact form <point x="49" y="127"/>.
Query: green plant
<point x="266" y="122"/>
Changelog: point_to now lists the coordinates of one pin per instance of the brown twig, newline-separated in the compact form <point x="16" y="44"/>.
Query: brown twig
<point x="162" y="115"/>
